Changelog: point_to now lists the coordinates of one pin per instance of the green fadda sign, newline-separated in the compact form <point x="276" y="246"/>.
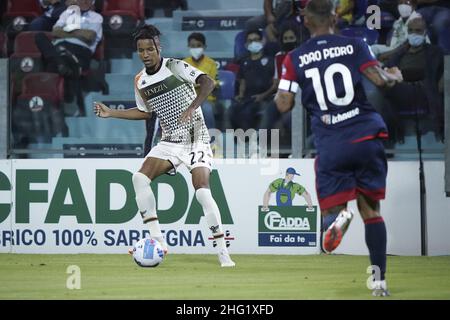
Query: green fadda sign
<point x="287" y="226"/>
<point x="68" y="181"/>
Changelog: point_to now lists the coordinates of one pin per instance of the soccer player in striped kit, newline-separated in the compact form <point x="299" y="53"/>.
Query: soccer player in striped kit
<point x="166" y="86"/>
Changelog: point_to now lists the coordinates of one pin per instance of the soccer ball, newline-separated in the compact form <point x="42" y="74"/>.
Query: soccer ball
<point x="148" y="253"/>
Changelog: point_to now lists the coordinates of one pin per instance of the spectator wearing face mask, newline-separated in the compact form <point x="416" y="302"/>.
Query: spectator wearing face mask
<point x="289" y="40"/>
<point x="255" y="84"/>
<point x="198" y="59"/>
<point x="407" y="11"/>
<point x="422" y="67"/>
<point x="437" y="15"/>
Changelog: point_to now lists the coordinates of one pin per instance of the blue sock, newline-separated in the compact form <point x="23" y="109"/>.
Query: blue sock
<point x="328" y="220"/>
<point x="376" y="242"/>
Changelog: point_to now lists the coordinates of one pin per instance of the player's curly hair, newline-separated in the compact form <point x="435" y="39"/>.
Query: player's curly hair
<point x="147" y="31"/>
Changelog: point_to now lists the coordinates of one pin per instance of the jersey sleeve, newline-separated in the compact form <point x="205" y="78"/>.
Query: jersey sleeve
<point x="183" y="70"/>
<point x="364" y="56"/>
<point x="299" y="189"/>
<point x="140" y="103"/>
<point x="275" y="185"/>
<point x="288" y="81"/>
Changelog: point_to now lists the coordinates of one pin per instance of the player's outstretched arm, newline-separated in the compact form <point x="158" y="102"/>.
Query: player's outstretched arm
<point x="103" y="111"/>
<point x="383" y="78"/>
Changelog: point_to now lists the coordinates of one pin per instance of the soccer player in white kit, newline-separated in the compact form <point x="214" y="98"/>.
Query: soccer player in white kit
<point x="166" y="86"/>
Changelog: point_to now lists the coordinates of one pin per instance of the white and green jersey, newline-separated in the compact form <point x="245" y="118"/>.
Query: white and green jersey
<point x="169" y="92"/>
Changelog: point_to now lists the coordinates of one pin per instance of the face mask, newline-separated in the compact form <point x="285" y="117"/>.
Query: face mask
<point x="196" y="53"/>
<point x="416" y="40"/>
<point x="405" y="10"/>
<point x="288" y="46"/>
<point x="255" y="46"/>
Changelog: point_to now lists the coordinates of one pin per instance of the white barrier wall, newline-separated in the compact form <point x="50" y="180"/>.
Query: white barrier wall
<point x="88" y="206"/>
<point x="438" y="209"/>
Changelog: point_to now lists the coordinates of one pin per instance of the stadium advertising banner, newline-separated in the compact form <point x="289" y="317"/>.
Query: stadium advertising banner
<point x="88" y="206"/>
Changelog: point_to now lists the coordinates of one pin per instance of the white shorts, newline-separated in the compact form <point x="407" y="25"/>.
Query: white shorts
<point x="191" y="155"/>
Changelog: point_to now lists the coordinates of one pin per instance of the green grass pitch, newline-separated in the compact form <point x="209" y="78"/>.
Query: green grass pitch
<point x="185" y="277"/>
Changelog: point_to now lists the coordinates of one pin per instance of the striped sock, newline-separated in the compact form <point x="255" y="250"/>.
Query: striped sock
<point x="376" y="243"/>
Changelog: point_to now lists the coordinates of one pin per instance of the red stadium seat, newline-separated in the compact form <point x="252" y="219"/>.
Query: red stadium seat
<point x="19" y="13"/>
<point x="134" y="8"/>
<point x="24" y="44"/>
<point x="48" y="86"/>
<point x="26" y="58"/>
<point x="121" y="19"/>
<point x="3" y="45"/>
<point x="23" y="8"/>
<point x="38" y="115"/>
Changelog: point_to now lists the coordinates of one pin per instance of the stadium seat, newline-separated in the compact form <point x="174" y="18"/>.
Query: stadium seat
<point x="121" y="18"/>
<point x="233" y="67"/>
<point x="38" y="114"/>
<point x="24" y="44"/>
<point x="19" y="13"/>
<point x="359" y="11"/>
<point x="387" y="20"/>
<point x="3" y="45"/>
<point x="48" y="85"/>
<point x="227" y="82"/>
<point x="134" y="8"/>
<point x="26" y="57"/>
<point x="369" y="35"/>
<point x="239" y="45"/>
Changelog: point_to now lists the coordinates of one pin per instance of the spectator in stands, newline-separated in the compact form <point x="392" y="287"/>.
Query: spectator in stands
<point x="437" y="15"/>
<point x="422" y="66"/>
<point x="52" y="10"/>
<point x="399" y="39"/>
<point x="344" y="12"/>
<point x="198" y="59"/>
<point x="80" y="39"/>
<point x="289" y="39"/>
<point x="295" y="20"/>
<point x="275" y="13"/>
<point x="77" y="34"/>
<point x="255" y="84"/>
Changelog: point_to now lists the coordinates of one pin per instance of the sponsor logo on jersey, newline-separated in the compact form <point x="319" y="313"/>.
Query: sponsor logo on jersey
<point x="337" y="118"/>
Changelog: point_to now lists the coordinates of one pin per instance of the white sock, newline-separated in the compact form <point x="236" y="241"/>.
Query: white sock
<point x="212" y="216"/>
<point x="146" y="203"/>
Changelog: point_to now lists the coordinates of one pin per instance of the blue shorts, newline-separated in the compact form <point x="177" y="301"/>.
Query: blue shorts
<point x="345" y="170"/>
